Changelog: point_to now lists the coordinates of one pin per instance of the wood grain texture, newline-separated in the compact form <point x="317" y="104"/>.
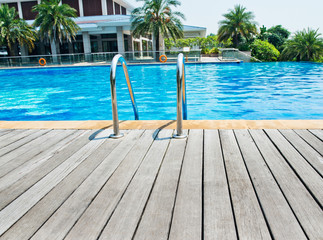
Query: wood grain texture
<point x="13" y="136"/>
<point x="309" y="153"/>
<point x="38" y="160"/>
<point x="26" y="227"/>
<point x="304" y="206"/>
<point x="214" y="185"/>
<point x="125" y="218"/>
<point x="317" y="133"/>
<point x="306" y="173"/>
<point x="40" y="149"/>
<point x="249" y="218"/>
<point x="27" y="181"/>
<point x="13" y="150"/>
<point x="316" y="143"/>
<point x="157" y="217"/>
<point x="108" y="198"/>
<point x="16" y="209"/>
<point x="59" y="224"/>
<point x="187" y="218"/>
<point x="282" y="222"/>
<point x="218" y="216"/>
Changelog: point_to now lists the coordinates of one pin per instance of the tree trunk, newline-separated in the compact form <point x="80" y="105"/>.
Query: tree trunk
<point x="10" y="51"/>
<point x="236" y="41"/>
<point x="157" y="46"/>
<point x="54" y="50"/>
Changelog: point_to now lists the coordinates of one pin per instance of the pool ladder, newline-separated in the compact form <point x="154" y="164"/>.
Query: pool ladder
<point x="181" y="95"/>
<point x="113" y="71"/>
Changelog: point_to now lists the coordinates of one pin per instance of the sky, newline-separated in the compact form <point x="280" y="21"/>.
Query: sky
<point x="295" y="15"/>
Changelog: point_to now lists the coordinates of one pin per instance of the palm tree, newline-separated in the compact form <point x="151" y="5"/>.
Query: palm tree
<point x="14" y="30"/>
<point x="55" y="22"/>
<point x="157" y="17"/>
<point x="306" y="45"/>
<point x="238" y="23"/>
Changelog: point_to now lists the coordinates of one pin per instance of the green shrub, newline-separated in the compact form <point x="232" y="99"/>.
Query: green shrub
<point x="264" y="51"/>
<point x="214" y="51"/>
<point x="244" y="46"/>
<point x="205" y="51"/>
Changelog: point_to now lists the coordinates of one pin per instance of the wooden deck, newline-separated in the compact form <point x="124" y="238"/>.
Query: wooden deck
<point x="216" y="184"/>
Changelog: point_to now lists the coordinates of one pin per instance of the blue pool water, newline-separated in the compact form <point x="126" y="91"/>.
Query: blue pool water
<point x="214" y="91"/>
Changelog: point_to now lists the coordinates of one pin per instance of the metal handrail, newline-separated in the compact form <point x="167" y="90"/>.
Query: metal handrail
<point x="181" y="96"/>
<point x="113" y="70"/>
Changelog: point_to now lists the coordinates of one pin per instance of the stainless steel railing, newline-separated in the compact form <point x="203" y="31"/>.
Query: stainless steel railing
<point x="113" y="70"/>
<point x="181" y="97"/>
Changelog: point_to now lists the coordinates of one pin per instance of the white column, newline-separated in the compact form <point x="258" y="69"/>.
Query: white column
<point x="38" y="1"/>
<point x="81" y="8"/>
<point x="161" y="43"/>
<point x="154" y="45"/>
<point x="114" y="11"/>
<point x="120" y="40"/>
<point x="86" y="43"/>
<point x="104" y="7"/>
<point x="19" y="9"/>
<point x="140" y="47"/>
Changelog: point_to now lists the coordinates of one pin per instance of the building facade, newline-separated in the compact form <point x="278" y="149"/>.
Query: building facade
<point x="105" y="27"/>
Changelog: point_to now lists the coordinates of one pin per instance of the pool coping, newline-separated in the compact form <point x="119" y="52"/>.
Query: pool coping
<point x="166" y="124"/>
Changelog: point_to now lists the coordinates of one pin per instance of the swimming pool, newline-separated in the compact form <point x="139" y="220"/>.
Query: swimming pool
<point x="214" y="91"/>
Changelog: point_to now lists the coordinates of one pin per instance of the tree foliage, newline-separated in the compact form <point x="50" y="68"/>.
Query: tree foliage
<point x="238" y="24"/>
<point x="206" y="44"/>
<point x="276" y="35"/>
<point x="264" y="51"/>
<point x="55" y="21"/>
<point x="305" y="45"/>
<point x="15" y="30"/>
<point x="158" y="18"/>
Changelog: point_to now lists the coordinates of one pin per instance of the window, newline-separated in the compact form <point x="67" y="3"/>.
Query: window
<point x="26" y="10"/>
<point x="110" y="7"/>
<point x="74" y="4"/>
<point x="92" y="7"/>
<point x="117" y="8"/>
<point x="124" y="11"/>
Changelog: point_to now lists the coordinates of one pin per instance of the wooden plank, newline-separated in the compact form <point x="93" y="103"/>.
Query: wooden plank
<point x="35" y="217"/>
<point x="20" y="206"/>
<point x="123" y="222"/>
<point x="60" y="223"/>
<point x="305" y="172"/>
<point x="157" y="217"/>
<point x="307" y="211"/>
<point x="316" y="143"/>
<point x="281" y="220"/>
<point x="16" y="145"/>
<point x="38" y="160"/>
<point x="312" y="156"/>
<point x="218" y="215"/>
<point x="187" y="218"/>
<point x="5" y="131"/>
<point x="13" y="136"/>
<point x="32" y="149"/>
<point x="23" y="184"/>
<point x="318" y="133"/>
<point x="106" y="201"/>
<point x="250" y="221"/>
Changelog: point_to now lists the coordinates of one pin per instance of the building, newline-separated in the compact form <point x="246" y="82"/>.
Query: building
<point x="105" y="27"/>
